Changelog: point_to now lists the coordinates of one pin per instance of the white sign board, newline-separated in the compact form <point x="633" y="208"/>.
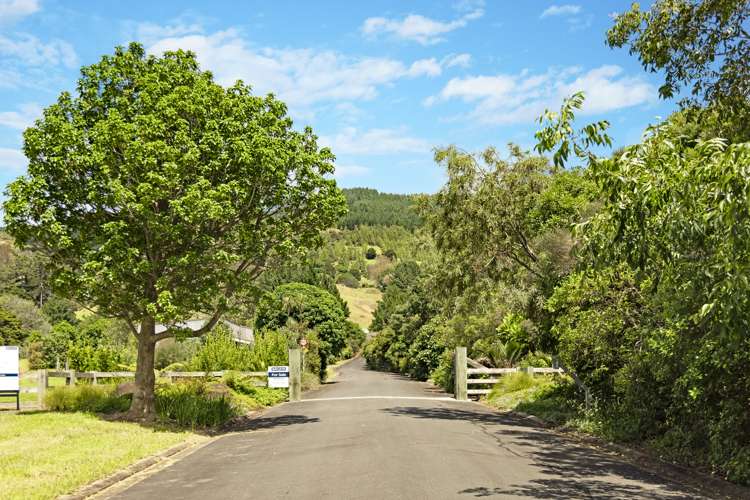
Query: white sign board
<point x="278" y="377"/>
<point x="9" y="372"/>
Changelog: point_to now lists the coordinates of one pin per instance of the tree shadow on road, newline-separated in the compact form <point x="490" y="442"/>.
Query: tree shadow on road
<point x="572" y="470"/>
<point x="261" y="423"/>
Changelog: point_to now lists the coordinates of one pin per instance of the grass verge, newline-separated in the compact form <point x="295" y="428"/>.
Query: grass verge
<point x="45" y="454"/>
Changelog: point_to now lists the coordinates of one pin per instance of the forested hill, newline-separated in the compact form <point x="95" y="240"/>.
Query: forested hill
<point x="372" y="208"/>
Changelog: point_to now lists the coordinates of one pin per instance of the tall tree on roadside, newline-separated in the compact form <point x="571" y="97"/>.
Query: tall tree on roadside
<point x="700" y="44"/>
<point x="156" y="193"/>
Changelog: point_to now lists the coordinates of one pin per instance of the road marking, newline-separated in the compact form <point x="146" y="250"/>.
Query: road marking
<point x="348" y="398"/>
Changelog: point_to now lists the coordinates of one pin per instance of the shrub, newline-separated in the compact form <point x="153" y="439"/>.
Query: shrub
<point x="11" y="332"/>
<point x="220" y="352"/>
<point x="188" y="405"/>
<point x="58" y="309"/>
<point x="263" y="396"/>
<point x="86" y="398"/>
<point x="171" y="351"/>
<point x="390" y="253"/>
<point x="371" y="253"/>
<point x="348" y="279"/>
<point x="26" y="311"/>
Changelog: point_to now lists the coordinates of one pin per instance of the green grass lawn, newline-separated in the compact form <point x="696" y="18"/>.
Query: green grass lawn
<point x="43" y="455"/>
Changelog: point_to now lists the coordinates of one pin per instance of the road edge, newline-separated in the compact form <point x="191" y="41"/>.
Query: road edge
<point x="143" y="465"/>
<point x="699" y="481"/>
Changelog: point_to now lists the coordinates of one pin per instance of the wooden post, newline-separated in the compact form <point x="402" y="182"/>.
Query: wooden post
<point x="295" y="375"/>
<point x="460" y="383"/>
<point x="72" y="375"/>
<point x="41" y="387"/>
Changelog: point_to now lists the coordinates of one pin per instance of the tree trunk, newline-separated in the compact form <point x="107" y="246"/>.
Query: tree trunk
<point x="143" y="406"/>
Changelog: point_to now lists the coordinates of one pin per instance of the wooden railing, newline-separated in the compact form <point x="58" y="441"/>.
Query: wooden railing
<point x="480" y="375"/>
<point x="500" y="371"/>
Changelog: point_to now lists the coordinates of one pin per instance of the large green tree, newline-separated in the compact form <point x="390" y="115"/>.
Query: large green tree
<point x="156" y="193"/>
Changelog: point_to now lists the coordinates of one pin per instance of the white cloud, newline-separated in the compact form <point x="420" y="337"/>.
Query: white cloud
<point x="11" y="10"/>
<point x="508" y="98"/>
<point x="350" y="171"/>
<point x="28" y="50"/>
<point x="461" y="60"/>
<point x="300" y="77"/>
<point x="376" y="141"/>
<point x="573" y="15"/>
<point x="561" y="10"/>
<point x="21" y="119"/>
<point x="428" y="67"/>
<point x="418" y="28"/>
<point x="12" y="160"/>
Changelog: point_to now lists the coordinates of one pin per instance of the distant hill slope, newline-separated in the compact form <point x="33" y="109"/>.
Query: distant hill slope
<point x="372" y="208"/>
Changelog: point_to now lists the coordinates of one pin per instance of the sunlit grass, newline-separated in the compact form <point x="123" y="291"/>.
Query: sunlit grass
<point x="43" y="455"/>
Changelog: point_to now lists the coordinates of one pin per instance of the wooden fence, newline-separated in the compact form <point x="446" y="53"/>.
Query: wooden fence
<point x="479" y="375"/>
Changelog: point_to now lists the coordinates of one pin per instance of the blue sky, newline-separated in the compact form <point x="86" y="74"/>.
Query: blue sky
<point x="382" y="83"/>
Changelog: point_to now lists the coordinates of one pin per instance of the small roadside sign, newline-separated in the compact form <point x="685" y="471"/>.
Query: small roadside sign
<point x="278" y="377"/>
<point x="9" y="368"/>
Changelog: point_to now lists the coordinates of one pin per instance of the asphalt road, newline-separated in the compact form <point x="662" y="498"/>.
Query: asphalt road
<point x="372" y="435"/>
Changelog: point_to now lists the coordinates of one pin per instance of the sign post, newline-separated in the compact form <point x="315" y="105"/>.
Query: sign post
<point x="10" y="374"/>
<point x="278" y="377"/>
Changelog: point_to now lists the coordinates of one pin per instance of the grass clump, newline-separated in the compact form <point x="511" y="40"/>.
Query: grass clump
<point x="86" y="398"/>
<point x="545" y="397"/>
<point x="251" y="395"/>
<point x="192" y="404"/>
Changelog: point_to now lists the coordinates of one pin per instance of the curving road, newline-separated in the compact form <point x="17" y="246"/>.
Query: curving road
<point x="373" y="435"/>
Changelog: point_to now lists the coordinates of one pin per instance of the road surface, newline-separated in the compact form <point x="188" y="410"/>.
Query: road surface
<point x="373" y="435"/>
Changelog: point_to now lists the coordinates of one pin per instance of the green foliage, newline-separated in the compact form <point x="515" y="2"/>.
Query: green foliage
<point x="371" y="253"/>
<point x="11" y="332"/>
<point x="57" y="309"/>
<point x="305" y="307"/>
<point x="347" y="279"/>
<point x="86" y="398"/>
<point x="219" y="351"/>
<point x="86" y="346"/>
<point x="154" y="192"/>
<point x="371" y="208"/>
<point x="263" y="396"/>
<point x="699" y="44"/>
<point x="171" y="351"/>
<point x="191" y="404"/>
<point x="27" y="312"/>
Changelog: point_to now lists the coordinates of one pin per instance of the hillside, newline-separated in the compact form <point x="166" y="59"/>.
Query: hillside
<point x="373" y="208"/>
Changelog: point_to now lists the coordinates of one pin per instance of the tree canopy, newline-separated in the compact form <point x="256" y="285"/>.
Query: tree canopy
<point x="156" y="193"/>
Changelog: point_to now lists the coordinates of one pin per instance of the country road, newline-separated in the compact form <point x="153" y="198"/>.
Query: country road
<point x="372" y="435"/>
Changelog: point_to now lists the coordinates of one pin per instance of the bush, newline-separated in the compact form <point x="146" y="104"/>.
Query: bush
<point x="263" y="396"/>
<point x="390" y="253"/>
<point x="58" y="309"/>
<point x="189" y="405"/>
<point x="86" y="398"/>
<point x="348" y="279"/>
<point x="220" y="352"/>
<point x="11" y="332"/>
<point x="27" y="312"/>
<point x="371" y="253"/>
<point x="172" y="351"/>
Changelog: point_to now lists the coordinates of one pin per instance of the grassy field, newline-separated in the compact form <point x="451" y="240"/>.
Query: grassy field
<point x="43" y="455"/>
<point x="362" y="303"/>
